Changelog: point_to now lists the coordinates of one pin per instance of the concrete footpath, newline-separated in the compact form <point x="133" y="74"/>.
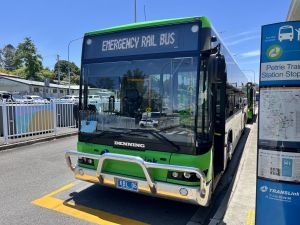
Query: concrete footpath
<point x="241" y="205"/>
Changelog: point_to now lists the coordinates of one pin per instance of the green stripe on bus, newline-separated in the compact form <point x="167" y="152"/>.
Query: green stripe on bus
<point x="203" y="19"/>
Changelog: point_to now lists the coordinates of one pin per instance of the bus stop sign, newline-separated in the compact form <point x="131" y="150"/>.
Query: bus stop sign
<point x="278" y="159"/>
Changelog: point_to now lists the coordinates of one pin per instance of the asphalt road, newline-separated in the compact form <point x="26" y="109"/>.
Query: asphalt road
<point x="29" y="174"/>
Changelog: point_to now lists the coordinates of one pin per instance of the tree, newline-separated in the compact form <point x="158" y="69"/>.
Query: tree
<point x="7" y="57"/>
<point x="2" y="70"/>
<point x="75" y="79"/>
<point x="47" y="73"/>
<point x="26" y="55"/>
<point x="20" y="72"/>
<point x="64" y="66"/>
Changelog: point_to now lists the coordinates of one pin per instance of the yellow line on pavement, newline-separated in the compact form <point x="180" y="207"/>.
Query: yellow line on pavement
<point x="66" y="187"/>
<point x="250" y="217"/>
<point x="81" y="212"/>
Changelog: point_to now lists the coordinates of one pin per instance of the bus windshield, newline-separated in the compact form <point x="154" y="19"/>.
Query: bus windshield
<point x="286" y="30"/>
<point x="152" y="100"/>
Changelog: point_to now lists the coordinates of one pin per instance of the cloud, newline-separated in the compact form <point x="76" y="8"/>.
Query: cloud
<point x="244" y="33"/>
<point x="238" y="41"/>
<point x="250" y="53"/>
<point x="250" y="62"/>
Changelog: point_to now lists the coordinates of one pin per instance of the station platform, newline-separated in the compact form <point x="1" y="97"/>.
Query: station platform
<point x="239" y="204"/>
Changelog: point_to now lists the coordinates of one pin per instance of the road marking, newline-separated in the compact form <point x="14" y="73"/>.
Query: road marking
<point x="68" y="207"/>
<point x="250" y="217"/>
<point x="66" y="187"/>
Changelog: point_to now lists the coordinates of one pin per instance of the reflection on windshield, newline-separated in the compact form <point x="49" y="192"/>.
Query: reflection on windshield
<point x="154" y="95"/>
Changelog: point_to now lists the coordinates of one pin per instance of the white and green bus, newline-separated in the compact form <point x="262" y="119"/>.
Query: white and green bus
<point x="175" y="111"/>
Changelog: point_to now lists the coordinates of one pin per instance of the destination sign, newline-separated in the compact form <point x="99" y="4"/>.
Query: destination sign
<point x="144" y="41"/>
<point x="174" y="38"/>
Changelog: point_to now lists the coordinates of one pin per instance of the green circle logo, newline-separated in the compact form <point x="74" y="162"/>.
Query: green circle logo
<point x="274" y="52"/>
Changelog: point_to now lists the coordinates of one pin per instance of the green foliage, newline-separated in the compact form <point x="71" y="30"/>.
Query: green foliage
<point x="25" y="62"/>
<point x="26" y="55"/>
<point x="75" y="79"/>
<point x="20" y="72"/>
<point x="2" y="70"/>
<point x="64" y="66"/>
<point x="46" y="73"/>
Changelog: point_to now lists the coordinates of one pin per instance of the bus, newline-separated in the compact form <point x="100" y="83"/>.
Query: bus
<point x="180" y="114"/>
<point x="251" y="98"/>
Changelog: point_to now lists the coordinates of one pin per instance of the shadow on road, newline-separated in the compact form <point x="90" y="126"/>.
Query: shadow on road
<point x="139" y="207"/>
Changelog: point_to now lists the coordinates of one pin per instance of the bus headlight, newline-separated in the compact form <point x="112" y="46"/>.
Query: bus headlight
<point x="184" y="176"/>
<point x="187" y="175"/>
<point x="86" y="161"/>
<point x="175" y="174"/>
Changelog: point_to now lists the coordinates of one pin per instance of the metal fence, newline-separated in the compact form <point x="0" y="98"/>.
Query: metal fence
<point x="23" y="121"/>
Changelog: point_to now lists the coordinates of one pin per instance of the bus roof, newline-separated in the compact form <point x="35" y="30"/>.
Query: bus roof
<point x="203" y="19"/>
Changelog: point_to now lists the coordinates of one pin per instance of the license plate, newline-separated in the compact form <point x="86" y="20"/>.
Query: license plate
<point x="126" y="184"/>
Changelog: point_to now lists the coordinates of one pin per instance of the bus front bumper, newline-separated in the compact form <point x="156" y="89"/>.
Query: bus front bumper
<point x="194" y="194"/>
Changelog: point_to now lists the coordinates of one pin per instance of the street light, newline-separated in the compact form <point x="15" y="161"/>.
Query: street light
<point x="253" y="74"/>
<point x="135" y="11"/>
<point x="69" y="72"/>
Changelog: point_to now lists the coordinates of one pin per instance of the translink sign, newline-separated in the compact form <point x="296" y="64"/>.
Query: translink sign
<point x="278" y="174"/>
<point x="280" y="52"/>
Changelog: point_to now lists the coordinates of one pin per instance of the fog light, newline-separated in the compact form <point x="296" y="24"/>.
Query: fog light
<point x="187" y="175"/>
<point x="175" y="174"/>
<point x="90" y="161"/>
<point x="183" y="191"/>
<point x="202" y="193"/>
<point x="81" y="172"/>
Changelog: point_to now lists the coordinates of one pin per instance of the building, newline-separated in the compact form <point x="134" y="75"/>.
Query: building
<point x="294" y="11"/>
<point x="15" y="84"/>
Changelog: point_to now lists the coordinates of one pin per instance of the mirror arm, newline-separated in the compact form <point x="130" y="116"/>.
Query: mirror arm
<point x="215" y="50"/>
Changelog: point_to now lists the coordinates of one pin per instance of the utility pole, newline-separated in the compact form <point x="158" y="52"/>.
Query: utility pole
<point x="145" y="12"/>
<point x="58" y="69"/>
<point x="135" y="11"/>
<point x="69" y="69"/>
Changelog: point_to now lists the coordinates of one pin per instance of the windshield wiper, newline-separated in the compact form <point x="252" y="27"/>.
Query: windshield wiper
<point x="155" y="134"/>
<point x="103" y="133"/>
<point x="163" y="138"/>
<point x="133" y="134"/>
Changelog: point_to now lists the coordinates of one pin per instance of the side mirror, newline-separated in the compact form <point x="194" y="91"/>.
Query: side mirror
<point x="217" y="68"/>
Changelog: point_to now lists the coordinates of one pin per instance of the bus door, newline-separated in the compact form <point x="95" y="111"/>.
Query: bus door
<point x="218" y="78"/>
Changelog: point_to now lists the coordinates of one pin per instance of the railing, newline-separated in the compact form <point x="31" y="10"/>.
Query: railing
<point x="20" y="121"/>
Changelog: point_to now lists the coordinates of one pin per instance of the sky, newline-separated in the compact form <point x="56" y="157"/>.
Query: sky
<point x="52" y="24"/>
